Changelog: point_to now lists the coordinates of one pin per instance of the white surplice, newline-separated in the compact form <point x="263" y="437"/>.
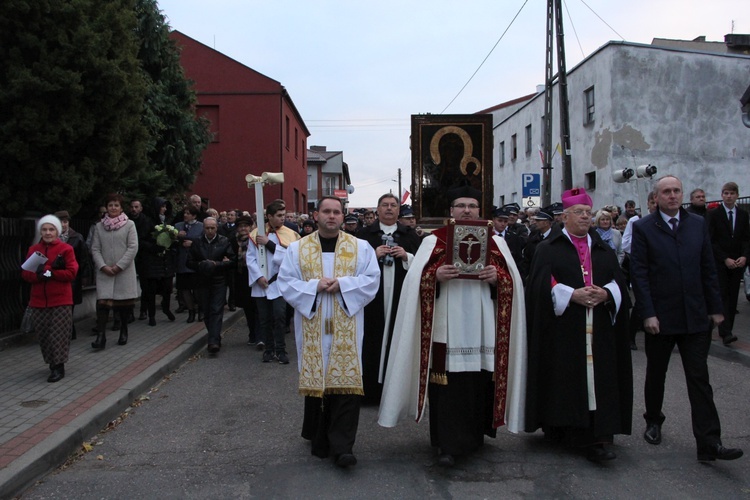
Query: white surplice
<point x="355" y="293"/>
<point x="463" y="318"/>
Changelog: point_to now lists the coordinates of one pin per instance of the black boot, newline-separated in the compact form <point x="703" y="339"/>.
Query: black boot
<point x="102" y="315"/>
<point x="191" y="316"/>
<point x="57" y="372"/>
<point x="165" y="308"/>
<point x="124" y="314"/>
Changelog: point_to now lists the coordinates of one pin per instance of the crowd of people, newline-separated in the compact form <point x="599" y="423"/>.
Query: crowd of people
<point x="536" y="334"/>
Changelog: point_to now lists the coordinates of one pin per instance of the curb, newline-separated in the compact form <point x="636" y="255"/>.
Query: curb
<point x="54" y="450"/>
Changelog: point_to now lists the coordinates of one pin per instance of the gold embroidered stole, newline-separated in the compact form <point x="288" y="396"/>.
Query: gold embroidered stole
<point x="285" y="235"/>
<point x="344" y="374"/>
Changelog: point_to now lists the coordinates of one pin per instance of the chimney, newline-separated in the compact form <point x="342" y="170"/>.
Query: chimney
<point x="318" y="149"/>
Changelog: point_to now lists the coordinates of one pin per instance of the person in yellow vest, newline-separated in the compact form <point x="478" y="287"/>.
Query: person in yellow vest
<point x="329" y="277"/>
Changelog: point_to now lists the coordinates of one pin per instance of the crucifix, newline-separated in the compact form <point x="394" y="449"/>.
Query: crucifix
<point x="259" y="182"/>
<point x="469" y="244"/>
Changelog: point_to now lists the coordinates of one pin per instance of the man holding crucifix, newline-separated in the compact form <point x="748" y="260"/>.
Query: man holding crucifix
<point x="458" y="342"/>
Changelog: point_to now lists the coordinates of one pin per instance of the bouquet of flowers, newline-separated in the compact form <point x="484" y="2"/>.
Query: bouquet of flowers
<point x="165" y="235"/>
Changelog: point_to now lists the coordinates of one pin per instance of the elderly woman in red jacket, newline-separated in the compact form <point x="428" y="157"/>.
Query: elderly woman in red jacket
<point x="52" y="295"/>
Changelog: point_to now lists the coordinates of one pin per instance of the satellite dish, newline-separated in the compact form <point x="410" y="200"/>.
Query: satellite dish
<point x="350" y="189"/>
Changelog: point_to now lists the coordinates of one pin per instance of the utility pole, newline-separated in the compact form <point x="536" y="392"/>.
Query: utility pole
<point x="400" y="191"/>
<point x="555" y="24"/>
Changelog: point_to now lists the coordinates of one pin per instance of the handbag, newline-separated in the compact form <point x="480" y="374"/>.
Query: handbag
<point x="27" y="323"/>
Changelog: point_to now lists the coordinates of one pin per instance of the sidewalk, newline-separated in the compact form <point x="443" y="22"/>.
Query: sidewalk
<point x="41" y="424"/>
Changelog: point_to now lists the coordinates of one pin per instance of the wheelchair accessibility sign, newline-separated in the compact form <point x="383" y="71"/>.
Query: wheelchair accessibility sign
<point x="531" y="189"/>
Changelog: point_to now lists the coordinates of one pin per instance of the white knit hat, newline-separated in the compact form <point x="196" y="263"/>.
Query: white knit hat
<point x="49" y="219"/>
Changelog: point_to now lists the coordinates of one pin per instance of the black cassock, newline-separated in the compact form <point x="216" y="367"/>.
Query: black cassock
<point x="372" y="343"/>
<point x="556" y="391"/>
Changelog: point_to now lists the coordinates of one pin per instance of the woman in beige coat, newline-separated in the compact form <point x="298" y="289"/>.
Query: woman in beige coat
<point x="113" y="251"/>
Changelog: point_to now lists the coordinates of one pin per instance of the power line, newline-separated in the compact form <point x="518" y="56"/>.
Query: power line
<point x="487" y="57"/>
<point x="575" y="32"/>
<point x="360" y="120"/>
<point x="602" y="20"/>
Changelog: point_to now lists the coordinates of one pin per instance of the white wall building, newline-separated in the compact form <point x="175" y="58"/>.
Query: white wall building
<point x="673" y="104"/>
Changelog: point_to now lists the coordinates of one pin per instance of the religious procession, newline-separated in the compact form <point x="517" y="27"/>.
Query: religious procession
<point x="524" y="321"/>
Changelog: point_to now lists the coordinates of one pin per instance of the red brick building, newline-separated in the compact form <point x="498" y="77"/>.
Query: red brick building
<point x="256" y="129"/>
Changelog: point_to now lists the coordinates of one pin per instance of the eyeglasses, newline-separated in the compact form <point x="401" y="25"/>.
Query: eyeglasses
<point x="461" y="206"/>
<point x="579" y="212"/>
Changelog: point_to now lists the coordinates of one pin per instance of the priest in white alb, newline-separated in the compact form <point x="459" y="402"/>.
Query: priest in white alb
<point x="328" y="277"/>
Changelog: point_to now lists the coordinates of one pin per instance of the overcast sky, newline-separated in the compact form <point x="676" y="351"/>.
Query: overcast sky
<point x="357" y="70"/>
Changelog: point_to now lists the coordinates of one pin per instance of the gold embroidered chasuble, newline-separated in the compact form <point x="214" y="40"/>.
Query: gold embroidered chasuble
<point x="344" y="373"/>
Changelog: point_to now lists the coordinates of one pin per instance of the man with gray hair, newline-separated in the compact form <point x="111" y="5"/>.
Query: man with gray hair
<point x="212" y="256"/>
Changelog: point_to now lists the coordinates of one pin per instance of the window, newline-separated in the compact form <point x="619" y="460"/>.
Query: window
<point x="501" y="151"/>
<point x="528" y="139"/>
<point x="287" y="132"/>
<point x="296" y="142"/>
<point x="309" y="183"/>
<point x="588" y="100"/>
<point x="590" y="183"/>
<point x="513" y="147"/>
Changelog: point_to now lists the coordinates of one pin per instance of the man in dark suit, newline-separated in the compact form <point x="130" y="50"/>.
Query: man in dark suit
<point x="501" y="224"/>
<point x="542" y="229"/>
<point x="729" y="230"/>
<point x="677" y="295"/>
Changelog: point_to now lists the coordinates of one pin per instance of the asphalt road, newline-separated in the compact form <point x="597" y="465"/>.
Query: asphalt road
<point x="228" y="426"/>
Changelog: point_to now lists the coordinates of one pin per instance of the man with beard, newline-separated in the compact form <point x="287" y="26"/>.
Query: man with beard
<point x="580" y="381"/>
<point x="395" y="245"/>
<point x="459" y="343"/>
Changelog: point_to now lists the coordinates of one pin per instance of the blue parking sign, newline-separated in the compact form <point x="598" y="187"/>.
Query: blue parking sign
<point x="531" y="185"/>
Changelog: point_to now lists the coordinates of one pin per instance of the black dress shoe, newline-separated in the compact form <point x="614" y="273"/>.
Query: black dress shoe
<point x="445" y="459"/>
<point x="598" y="453"/>
<point x="151" y="321"/>
<point x="213" y="348"/>
<point x="57" y="372"/>
<point x="716" y="451"/>
<point x="652" y="434"/>
<point x="729" y="339"/>
<point x="346" y="460"/>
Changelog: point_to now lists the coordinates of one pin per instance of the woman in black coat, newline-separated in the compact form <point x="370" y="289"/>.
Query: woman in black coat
<point x="158" y="261"/>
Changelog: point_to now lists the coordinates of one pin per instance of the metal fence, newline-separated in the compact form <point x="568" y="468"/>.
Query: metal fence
<point x="16" y="236"/>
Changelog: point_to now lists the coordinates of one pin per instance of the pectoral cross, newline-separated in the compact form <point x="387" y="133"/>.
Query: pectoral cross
<point x="469" y="244"/>
<point x="584" y="272"/>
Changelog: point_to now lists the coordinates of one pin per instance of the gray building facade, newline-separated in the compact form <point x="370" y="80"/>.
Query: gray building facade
<point x="673" y="105"/>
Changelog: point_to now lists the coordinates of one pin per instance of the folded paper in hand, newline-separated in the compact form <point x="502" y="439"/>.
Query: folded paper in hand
<point x="33" y="262"/>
